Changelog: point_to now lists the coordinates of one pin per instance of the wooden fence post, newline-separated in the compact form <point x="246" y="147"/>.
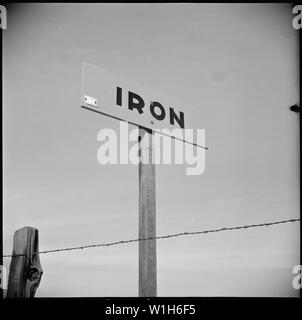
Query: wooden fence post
<point x="25" y="269"/>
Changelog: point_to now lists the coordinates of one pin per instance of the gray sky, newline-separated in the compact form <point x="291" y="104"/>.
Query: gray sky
<point x="235" y="65"/>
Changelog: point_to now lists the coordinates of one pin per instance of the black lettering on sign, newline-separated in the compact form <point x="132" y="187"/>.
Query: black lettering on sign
<point x="139" y="105"/>
<point x="180" y="120"/>
<point x="119" y="96"/>
<point x="162" y="114"/>
<point x="157" y="110"/>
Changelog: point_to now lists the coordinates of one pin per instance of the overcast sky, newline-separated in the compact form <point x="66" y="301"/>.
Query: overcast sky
<point x="236" y="67"/>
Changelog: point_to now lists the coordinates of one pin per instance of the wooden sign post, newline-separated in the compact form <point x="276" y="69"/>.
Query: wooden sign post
<point x="111" y="95"/>
<point x="147" y="217"/>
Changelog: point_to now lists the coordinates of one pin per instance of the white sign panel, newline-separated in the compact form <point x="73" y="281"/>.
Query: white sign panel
<point x="112" y="95"/>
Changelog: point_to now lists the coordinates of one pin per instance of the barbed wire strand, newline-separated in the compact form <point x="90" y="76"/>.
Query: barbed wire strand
<point x="267" y="224"/>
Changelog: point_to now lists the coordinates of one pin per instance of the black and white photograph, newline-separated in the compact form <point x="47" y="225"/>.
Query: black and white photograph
<point x="150" y="150"/>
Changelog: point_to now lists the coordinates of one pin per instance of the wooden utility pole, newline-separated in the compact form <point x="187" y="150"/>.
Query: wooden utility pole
<point x="25" y="269"/>
<point x="147" y="217"/>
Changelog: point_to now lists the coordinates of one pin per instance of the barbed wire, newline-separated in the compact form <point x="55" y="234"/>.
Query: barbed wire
<point x="266" y="224"/>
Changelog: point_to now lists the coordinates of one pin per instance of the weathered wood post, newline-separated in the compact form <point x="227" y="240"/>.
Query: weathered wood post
<point x="25" y="268"/>
<point x="147" y="217"/>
